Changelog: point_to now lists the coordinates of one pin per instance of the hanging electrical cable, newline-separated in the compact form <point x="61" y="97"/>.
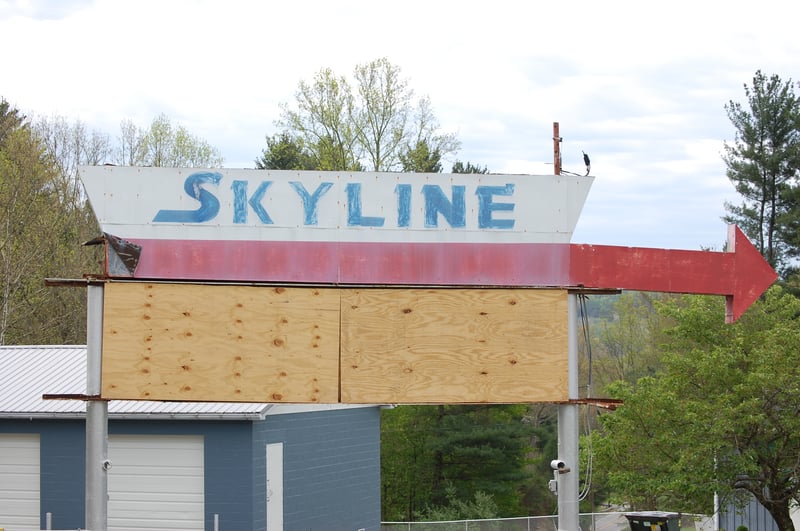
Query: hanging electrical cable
<point x="587" y="481"/>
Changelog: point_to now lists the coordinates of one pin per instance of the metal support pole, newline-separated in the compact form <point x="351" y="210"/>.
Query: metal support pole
<point x="568" y="506"/>
<point x="97" y="463"/>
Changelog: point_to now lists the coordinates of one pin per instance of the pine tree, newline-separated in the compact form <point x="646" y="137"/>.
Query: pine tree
<point x="763" y="164"/>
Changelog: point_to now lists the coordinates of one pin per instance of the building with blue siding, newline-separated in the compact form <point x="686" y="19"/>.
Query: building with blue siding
<point x="181" y="465"/>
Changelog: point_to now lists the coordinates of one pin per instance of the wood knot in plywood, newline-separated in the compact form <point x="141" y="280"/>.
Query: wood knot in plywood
<point x="407" y="310"/>
<point x="277" y="396"/>
<point x="278" y="342"/>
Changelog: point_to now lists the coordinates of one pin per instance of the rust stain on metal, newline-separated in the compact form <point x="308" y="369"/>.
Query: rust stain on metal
<point x="121" y="256"/>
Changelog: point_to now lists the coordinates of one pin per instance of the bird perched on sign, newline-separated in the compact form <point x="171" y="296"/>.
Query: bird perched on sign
<point x="587" y="162"/>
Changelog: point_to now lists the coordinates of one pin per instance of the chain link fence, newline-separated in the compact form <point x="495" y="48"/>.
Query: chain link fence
<point x="588" y="522"/>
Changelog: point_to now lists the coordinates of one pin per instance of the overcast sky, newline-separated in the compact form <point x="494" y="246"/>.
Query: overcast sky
<point x="640" y="86"/>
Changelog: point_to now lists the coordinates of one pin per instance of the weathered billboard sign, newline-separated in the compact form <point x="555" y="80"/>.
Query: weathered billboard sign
<point x="335" y="227"/>
<point x="406" y="285"/>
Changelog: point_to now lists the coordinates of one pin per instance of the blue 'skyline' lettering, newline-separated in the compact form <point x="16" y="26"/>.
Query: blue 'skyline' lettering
<point x="310" y="200"/>
<point x="354" y="217"/>
<point x="240" y="202"/>
<point x="452" y="209"/>
<point x="209" y="204"/>
<point x="403" y="192"/>
<point x="486" y="206"/>
<point x="455" y="211"/>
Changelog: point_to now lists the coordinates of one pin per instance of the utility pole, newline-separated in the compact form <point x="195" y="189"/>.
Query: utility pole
<point x="567" y="471"/>
<point x="97" y="463"/>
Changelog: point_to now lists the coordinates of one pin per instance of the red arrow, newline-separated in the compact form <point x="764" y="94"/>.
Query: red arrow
<point x="741" y="273"/>
<point x="741" y="276"/>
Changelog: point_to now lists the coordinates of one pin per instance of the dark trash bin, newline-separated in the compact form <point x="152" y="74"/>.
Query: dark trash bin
<point x="654" y="521"/>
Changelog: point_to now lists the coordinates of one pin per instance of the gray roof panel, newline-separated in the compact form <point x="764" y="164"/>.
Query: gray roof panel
<point x="29" y="372"/>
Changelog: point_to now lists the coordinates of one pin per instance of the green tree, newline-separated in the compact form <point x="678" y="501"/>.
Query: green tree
<point x="722" y="417"/>
<point x="44" y="221"/>
<point x="10" y="119"/>
<point x="371" y="126"/>
<point x="69" y="145"/>
<point x="46" y="217"/>
<point x="427" y="144"/>
<point x="165" y="144"/>
<point x="285" y="152"/>
<point x="626" y="344"/>
<point x="763" y="163"/>
<point x="324" y="121"/>
<point x="132" y="149"/>
<point x="432" y="455"/>
<point x="406" y="461"/>
<point x="460" y="167"/>
<point x="383" y="112"/>
<point x="421" y="159"/>
<point x="481" y="507"/>
<point x="542" y="448"/>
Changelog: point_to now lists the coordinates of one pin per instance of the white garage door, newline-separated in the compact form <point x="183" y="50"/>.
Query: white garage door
<point x="19" y="482"/>
<point x="155" y="483"/>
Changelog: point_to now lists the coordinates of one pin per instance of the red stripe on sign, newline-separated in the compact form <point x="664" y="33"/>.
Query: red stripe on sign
<point x="446" y="264"/>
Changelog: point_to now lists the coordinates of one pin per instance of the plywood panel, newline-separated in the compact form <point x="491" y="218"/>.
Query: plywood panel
<point x="454" y="345"/>
<point x="220" y="343"/>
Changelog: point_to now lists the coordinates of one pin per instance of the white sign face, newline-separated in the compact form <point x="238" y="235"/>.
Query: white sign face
<point x="335" y="227"/>
<point x="263" y="205"/>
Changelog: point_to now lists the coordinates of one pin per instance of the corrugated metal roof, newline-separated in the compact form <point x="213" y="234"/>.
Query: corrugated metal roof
<point x="28" y="372"/>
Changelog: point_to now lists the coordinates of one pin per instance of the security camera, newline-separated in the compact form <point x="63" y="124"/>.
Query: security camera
<point x="559" y="466"/>
<point x="107" y="465"/>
